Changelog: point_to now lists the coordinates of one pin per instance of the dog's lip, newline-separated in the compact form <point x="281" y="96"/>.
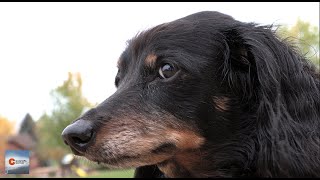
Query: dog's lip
<point x="116" y="162"/>
<point x="112" y="161"/>
<point x="76" y="152"/>
<point x="119" y="159"/>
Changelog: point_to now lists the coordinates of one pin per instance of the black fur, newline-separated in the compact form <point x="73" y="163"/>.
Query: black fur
<point x="250" y="95"/>
<point x="272" y="125"/>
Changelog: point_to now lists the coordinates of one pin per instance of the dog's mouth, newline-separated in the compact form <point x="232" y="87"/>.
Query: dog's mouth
<point x="116" y="160"/>
<point x="130" y="144"/>
<point x="160" y="153"/>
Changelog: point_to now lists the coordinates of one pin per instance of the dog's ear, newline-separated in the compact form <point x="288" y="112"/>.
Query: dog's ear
<point x="151" y="171"/>
<point x="239" y="67"/>
<point x="254" y="56"/>
<point x="286" y="88"/>
<point x="236" y="54"/>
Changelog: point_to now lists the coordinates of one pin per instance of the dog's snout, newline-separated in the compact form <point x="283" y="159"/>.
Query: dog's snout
<point x="79" y="136"/>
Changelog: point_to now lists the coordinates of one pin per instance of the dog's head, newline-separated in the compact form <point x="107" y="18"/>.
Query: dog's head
<point x="182" y="86"/>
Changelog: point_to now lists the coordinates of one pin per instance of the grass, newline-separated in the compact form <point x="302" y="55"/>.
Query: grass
<point x="112" y="174"/>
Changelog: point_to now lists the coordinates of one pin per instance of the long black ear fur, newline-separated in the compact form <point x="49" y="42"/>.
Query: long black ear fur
<point x="264" y="69"/>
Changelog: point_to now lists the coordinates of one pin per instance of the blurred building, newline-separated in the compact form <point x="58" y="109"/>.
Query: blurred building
<point x="25" y="140"/>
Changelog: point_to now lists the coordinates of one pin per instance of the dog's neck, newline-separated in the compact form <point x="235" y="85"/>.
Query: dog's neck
<point x="185" y="165"/>
<point x="180" y="165"/>
<point x="173" y="169"/>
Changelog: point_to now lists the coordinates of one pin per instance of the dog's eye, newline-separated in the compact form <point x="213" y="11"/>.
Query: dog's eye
<point x="167" y="71"/>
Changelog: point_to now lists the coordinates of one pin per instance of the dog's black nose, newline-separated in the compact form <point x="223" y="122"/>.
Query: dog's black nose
<point x="79" y="136"/>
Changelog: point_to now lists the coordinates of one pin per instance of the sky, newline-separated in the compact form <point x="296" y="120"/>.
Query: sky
<point x="41" y="42"/>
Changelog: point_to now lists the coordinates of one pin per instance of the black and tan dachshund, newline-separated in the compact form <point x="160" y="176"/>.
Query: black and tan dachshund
<point x="207" y="96"/>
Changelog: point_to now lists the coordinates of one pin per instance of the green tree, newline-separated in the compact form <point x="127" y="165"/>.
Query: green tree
<point x="305" y="37"/>
<point x="69" y="104"/>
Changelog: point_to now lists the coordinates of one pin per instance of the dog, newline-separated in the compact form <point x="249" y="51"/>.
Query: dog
<point x="207" y="96"/>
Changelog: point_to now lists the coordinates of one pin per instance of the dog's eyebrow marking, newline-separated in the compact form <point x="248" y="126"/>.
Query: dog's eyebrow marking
<point x="221" y="103"/>
<point x="150" y="60"/>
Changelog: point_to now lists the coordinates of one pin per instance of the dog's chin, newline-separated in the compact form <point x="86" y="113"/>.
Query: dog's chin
<point x="128" y="162"/>
<point x="125" y="156"/>
<point x="123" y="161"/>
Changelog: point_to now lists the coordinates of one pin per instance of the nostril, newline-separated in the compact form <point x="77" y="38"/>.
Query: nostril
<point x="82" y="139"/>
<point x="65" y="142"/>
<point x="77" y="140"/>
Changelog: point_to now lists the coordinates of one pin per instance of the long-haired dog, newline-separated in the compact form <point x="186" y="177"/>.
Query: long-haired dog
<point x="207" y="96"/>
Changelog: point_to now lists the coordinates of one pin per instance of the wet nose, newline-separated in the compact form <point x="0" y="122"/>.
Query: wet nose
<point x="79" y="135"/>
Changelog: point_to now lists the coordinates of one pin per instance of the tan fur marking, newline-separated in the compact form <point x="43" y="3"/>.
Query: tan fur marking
<point x="136" y="135"/>
<point x="184" y="164"/>
<point x="151" y="60"/>
<point x="221" y="102"/>
<point x="188" y="159"/>
<point x="168" y="168"/>
<point x="186" y="139"/>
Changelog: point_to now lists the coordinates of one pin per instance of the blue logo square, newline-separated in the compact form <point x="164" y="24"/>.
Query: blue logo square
<point x="17" y="161"/>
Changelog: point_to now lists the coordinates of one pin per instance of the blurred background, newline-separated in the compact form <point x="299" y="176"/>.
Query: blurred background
<point x="57" y="60"/>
